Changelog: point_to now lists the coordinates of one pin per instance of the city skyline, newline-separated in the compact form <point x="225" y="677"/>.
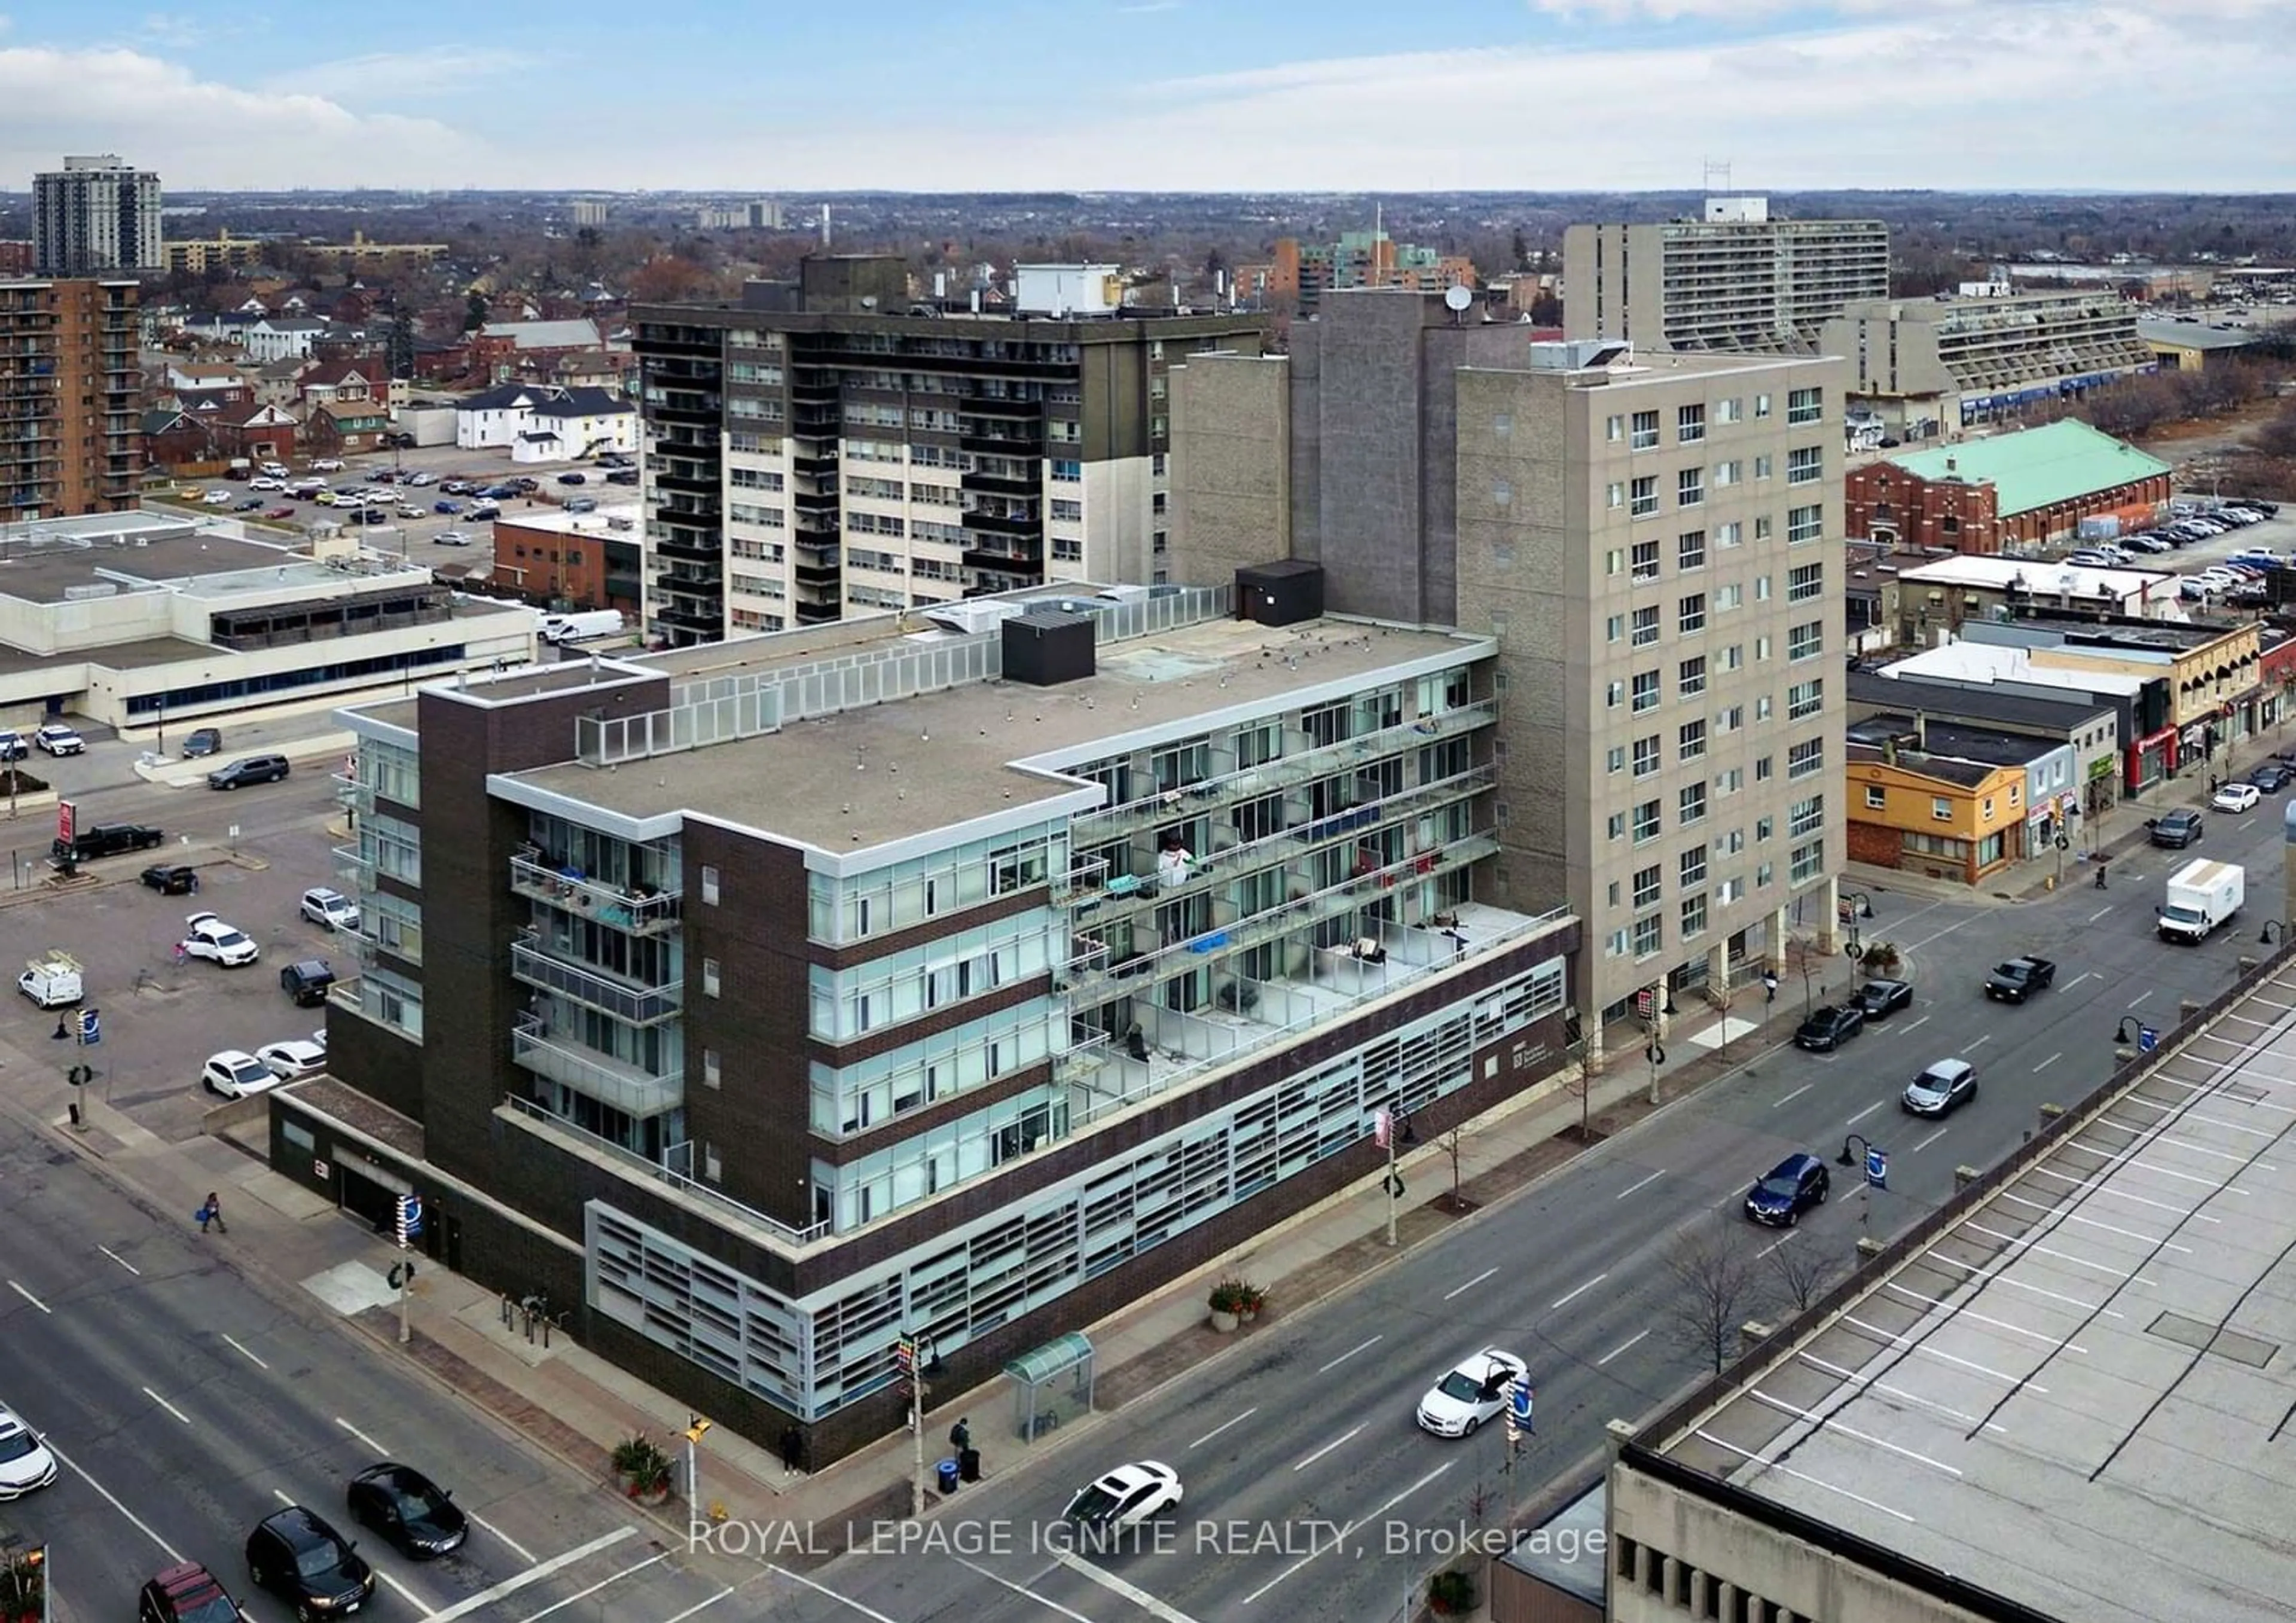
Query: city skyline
<point x="1165" y="95"/>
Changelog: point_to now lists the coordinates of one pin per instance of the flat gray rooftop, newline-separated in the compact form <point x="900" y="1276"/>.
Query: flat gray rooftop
<point x="114" y="656"/>
<point x="2082" y="1394"/>
<point x="865" y="777"/>
<point x="44" y="570"/>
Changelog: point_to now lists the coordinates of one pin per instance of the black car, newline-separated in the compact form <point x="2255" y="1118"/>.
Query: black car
<point x="297" y="1556"/>
<point x="2271" y="778"/>
<point x="307" y="980"/>
<point x="573" y="479"/>
<point x="2177" y="830"/>
<point x="1831" y="1026"/>
<point x="203" y="740"/>
<point x="1879" y="999"/>
<point x="250" y="769"/>
<point x="1793" y="1187"/>
<point x="412" y="1512"/>
<point x="623" y="476"/>
<point x="172" y="879"/>
<point x="12" y="747"/>
<point x="522" y="486"/>
<point x="186" y="1593"/>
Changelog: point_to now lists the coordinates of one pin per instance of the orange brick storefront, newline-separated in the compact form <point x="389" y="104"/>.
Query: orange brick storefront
<point x="1959" y="515"/>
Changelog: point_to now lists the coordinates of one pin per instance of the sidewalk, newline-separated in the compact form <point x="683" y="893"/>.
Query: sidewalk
<point x="577" y="1407"/>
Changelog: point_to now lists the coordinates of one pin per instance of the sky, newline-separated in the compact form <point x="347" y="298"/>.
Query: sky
<point x="793" y="96"/>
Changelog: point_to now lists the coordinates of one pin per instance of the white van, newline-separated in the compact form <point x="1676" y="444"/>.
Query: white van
<point x="53" y="980"/>
<point x="581" y="626"/>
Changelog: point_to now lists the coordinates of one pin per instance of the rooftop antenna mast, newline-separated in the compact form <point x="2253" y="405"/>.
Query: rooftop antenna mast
<point x="1717" y="175"/>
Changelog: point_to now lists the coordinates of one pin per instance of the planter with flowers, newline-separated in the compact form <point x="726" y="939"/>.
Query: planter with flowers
<point x="1228" y="1299"/>
<point x="642" y="1470"/>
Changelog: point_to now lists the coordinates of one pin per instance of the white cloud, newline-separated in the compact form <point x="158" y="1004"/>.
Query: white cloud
<point x="200" y="134"/>
<point x="402" y="75"/>
<point x="172" y="29"/>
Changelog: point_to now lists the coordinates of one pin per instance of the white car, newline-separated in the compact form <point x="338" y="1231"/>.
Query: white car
<point x="235" y="1075"/>
<point x="25" y="1461"/>
<point x="1127" y="1496"/>
<point x="209" y="937"/>
<point x="331" y="908"/>
<point x="219" y="498"/>
<point x="425" y="478"/>
<point x="327" y="464"/>
<point x="2236" y="798"/>
<point x="452" y="537"/>
<point x="1474" y="1391"/>
<point x="57" y="739"/>
<point x="295" y="1057"/>
<point x="267" y="482"/>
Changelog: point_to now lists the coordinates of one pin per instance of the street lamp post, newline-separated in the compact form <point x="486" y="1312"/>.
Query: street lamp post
<point x="2128" y="1048"/>
<point x="2275" y="932"/>
<point x="904" y="1355"/>
<point x="1394" y="1133"/>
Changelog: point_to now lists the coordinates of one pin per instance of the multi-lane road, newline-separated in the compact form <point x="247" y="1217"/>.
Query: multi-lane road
<point x="1310" y="1491"/>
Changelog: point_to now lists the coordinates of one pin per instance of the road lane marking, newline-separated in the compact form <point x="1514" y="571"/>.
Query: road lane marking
<point x="700" y="1605"/>
<point x="512" y="1544"/>
<point x="1327" y="1447"/>
<point x="2140" y="997"/>
<point x="1926" y="1142"/>
<point x="405" y="1593"/>
<point x="542" y="1569"/>
<point x="1147" y="1603"/>
<point x="28" y="1297"/>
<point x="1342" y="1536"/>
<point x="1581" y="1290"/>
<point x="2100" y="913"/>
<point x="232" y="1343"/>
<point x="1644" y="1183"/>
<point x="2044" y="1064"/>
<point x="112" y="1499"/>
<point x="1868" y="1111"/>
<point x="1977" y="1042"/>
<point x="1249" y="1413"/>
<point x="799" y="1578"/>
<point x="1334" y="1364"/>
<point x="363" y="1437"/>
<point x="1022" y="1589"/>
<point x="2076" y="980"/>
<point x="1774" y="1244"/>
<point x="164" y="1404"/>
<point x="584" y="1595"/>
<point x="122" y="1262"/>
<point x="1620" y="1347"/>
<point x="1471" y="1284"/>
<point x="1913" y="1024"/>
<point x="1790" y="1097"/>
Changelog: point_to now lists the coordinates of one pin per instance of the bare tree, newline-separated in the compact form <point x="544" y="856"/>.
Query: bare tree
<point x="1451" y="1144"/>
<point x="1714" y="1271"/>
<point x="1801" y="1272"/>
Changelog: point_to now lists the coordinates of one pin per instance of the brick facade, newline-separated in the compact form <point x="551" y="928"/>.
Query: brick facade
<point x="1959" y="516"/>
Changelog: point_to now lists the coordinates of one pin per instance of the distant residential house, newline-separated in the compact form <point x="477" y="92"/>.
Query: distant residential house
<point x="361" y="383"/>
<point x="276" y="385"/>
<point x="496" y="418"/>
<point x="207" y="377"/>
<point x="174" y="438"/>
<point x="258" y="433"/>
<point x="613" y="370"/>
<point x="576" y="424"/>
<point x="345" y="429"/>
<point x="277" y="337"/>
<point x="229" y="327"/>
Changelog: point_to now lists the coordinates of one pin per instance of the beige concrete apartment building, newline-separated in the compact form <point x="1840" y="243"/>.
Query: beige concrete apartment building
<point x="1656" y="546"/>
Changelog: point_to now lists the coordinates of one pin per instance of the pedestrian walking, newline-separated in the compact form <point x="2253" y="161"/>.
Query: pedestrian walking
<point x="792" y="1450"/>
<point x="183" y="951"/>
<point x="959" y="1436"/>
<point x="212" y="1212"/>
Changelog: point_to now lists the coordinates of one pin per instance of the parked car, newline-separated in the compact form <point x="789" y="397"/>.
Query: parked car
<point x="2175" y="830"/>
<point x="12" y="747"/>
<point x="2236" y="798"/>
<point x="573" y="479"/>
<point x="623" y="476"/>
<point x="326" y="465"/>
<point x="305" y="981"/>
<point x="209" y="937"/>
<point x="325" y="905"/>
<point x="1471" y="1392"/>
<point x="171" y="879"/>
<point x="1827" y="1028"/>
<point x="25" y="1463"/>
<point x="202" y="740"/>
<point x="1879" y="999"/>
<point x="2271" y="776"/>
<point x="106" y="839"/>
<point x="522" y="486"/>
<point x="296" y="1556"/>
<point x="423" y="477"/>
<point x="451" y="537"/>
<point x="583" y="503"/>
<point x="279" y="513"/>
<point x="249" y="769"/>
<point x="58" y="739"/>
<point x="482" y="510"/>
<point x="1942" y="1088"/>
<point x="447" y="509"/>
<point x="186" y="1593"/>
<point x="456" y="487"/>
<point x="217" y="498"/>
<point x="413" y="1515"/>
<point x="1788" y="1189"/>
<point x="234" y="1074"/>
<point x="296" y="1057"/>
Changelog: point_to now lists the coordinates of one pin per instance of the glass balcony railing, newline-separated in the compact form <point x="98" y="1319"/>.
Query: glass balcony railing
<point x="352" y="795"/>
<point x="616" y="1084"/>
<point x="353" y="871"/>
<point x="636" y="910"/>
<point x="626" y="1001"/>
<point x="1252" y="782"/>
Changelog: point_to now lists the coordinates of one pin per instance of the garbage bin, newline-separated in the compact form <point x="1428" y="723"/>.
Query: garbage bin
<point x="946" y="1472"/>
<point x="968" y="1464"/>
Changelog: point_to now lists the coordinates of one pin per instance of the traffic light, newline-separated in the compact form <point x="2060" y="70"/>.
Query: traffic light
<point x="698" y="1429"/>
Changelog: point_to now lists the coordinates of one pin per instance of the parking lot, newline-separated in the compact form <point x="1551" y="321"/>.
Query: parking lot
<point x="160" y="1018"/>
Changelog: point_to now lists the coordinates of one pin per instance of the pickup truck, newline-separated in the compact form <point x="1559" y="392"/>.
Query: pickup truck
<point x="106" y="839"/>
<point x="2019" y="978"/>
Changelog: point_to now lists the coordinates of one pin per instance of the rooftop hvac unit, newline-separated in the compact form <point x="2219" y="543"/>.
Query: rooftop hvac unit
<point x="1124" y="594"/>
<point x="972" y="618"/>
<point x="80" y="594"/>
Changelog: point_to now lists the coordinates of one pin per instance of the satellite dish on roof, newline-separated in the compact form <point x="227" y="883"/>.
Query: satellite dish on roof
<point x="1456" y="300"/>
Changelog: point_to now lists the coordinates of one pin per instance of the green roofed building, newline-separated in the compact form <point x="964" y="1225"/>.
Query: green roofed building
<point x="2010" y="494"/>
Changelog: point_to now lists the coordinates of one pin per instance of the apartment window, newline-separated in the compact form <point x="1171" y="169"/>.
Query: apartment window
<point x="1728" y="597"/>
<point x="1941" y="808"/>
<point x="1761" y="588"/>
<point x="1761" y="832"/>
<point x="1689" y="424"/>
<point x="1985" y="810"/>
<point x="1645" y="560"/>
<point x="1615" y="946"/>
<point x="1805" y="404"/>
<point x="1730" y="891"/>
<point x="1805" y="582"/>
<point x="1066" y="510"/>
<point x="1808" y="861"/>
<point x="1762" y="772"/>
<point x="1502" y="492"/>
<point x="1693" y="916"/>
<point x="1762" y="527"/>
<point x="1614" y="561"/>
<point x="1690" y="740"/>
<point x="1645" y="435"/>
<point x="1689" y="487"/>
<point x="1761" y="467"/>
<point x="1615" y="760"/>
<point x="1733" y="658"/>
<point x="1876" y="796"/>
<point x="709" y="977"/>
<point x="1614" y="628"/>
<point x="1761" y="406"/>
<point x="1614" y="695"/>
<point x="1732" y="843"/>
<point x="1730" y="719"/>
<point x="1615" y="428"/>
<point x="1805" y="465"/>
<point x="1616" y="494"/>
<point x="1692" y="867"/>
<point x="1646" y="822"/>
<point x="1762" y="653"/>
<point x="1645" y="690"/>
<point x="1728" y="473"/>
<point x="1690" y="678"/>
<point x="1729" y="411"/>
<point x="1805" y="757"/>
<point x="1650" y="936"/>
<point x="1805" y="699"/>
<point x="1690" y="804"/>
<point x="1647" y="882"/>
<point x="1067" y="471"/>
<point x="712" y="1072"/>
<point x="1690" y="549"/>
<point x="1690" y="614"/>
<point x="1646" y="755"/>
<point x="1764" y="873"/>
<point x="1727" y="536"/>
<point x="1805" y="817"/>
<point x="709" y="885"/>
<point x="1644" y="502"/>
<point x="1806" y="641"/>
<point x="1617" y="828"/>
<point x="1647" y="626"/>
<point x="1804" y="525"/>
<point x="1729" y="781"/>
